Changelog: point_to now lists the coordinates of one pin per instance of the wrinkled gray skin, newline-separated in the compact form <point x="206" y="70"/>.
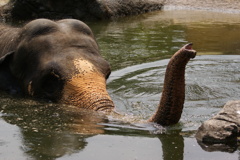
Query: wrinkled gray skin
<point x="222" y="129"/>
<point x="60" y="61"/>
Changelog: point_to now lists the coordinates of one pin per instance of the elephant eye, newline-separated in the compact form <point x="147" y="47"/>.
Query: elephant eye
<point x="52" y="85"/>
<point x="107" y="73"/>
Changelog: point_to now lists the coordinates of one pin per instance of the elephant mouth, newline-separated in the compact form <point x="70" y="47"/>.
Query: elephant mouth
<point x="105" y="105"/>
<point x="88" y="91"/>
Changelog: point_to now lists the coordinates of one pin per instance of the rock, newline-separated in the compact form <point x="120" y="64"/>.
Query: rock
<point x="79" y="9"/>
<point x="223" y="128"/>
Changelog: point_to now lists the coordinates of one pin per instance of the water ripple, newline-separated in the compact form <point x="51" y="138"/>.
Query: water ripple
<point x="211" y="81"/>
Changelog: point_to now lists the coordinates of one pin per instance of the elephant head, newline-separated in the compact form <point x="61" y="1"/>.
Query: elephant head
<point x="60" y="61"/>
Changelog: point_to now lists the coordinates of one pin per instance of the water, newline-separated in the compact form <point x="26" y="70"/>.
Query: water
<point x="138" y="49"/>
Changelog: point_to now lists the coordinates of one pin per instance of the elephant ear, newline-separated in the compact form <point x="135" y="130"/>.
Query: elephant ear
<point x="7" y="80"/>
<point x="5" y="59"/>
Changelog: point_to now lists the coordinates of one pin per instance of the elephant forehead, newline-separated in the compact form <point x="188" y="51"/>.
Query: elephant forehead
<point x="83" y="66"/>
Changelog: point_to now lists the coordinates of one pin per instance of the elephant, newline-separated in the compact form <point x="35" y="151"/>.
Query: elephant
<point x="60" y="61"/>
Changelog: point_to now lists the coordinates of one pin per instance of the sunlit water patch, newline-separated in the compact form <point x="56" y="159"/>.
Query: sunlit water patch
<point x="154" y="36"/>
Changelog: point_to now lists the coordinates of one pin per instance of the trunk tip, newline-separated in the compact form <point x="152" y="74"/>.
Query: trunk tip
<point x="189" y="46"/>
<point x="190" y="50"/>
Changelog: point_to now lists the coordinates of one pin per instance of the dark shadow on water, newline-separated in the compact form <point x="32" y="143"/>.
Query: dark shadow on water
<point x="50" y="131"/>
<point x="223" y="147"/>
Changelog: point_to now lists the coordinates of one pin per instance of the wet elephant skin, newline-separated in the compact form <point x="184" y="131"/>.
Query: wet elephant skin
<point x="56" y="61"/>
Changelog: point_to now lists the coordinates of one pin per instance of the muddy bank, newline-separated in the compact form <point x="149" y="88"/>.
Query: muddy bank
<point x="227" y="6"/>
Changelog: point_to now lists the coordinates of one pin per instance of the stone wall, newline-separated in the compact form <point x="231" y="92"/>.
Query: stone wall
<point x="79" y="9"/>
<point x="104" y="9"/>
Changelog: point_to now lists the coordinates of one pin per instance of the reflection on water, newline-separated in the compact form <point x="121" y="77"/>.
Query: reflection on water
<point x="138" y="49"/>
<point x="211" y="81"/>
<point x="50" y="130"/>
<point x="157" y="35"/>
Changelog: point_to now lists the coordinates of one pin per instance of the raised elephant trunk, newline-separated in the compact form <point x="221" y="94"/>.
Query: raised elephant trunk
<point x="171" y="104"/>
